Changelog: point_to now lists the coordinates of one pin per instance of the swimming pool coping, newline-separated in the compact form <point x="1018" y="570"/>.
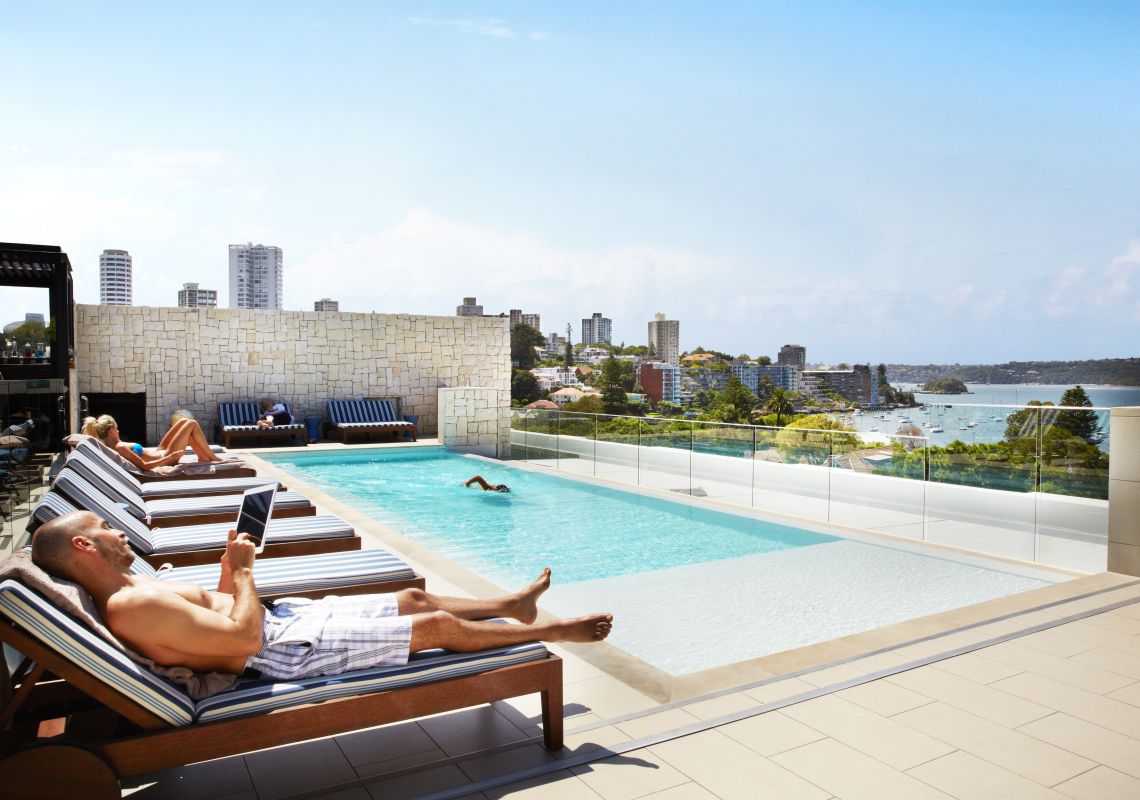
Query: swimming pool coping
<point x="662" y="686"/>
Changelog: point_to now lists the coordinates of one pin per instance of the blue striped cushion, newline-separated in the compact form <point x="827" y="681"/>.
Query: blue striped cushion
<point x="287" y="529"/>
<point x="80" y="494"/>
<point x="79" y="645"/>
<point x="393" y="425"/>
<point x="222" y="504"/>
<point x="303" y="573"/>
<point x="238" y="413"/>
<point x="104" y="483"/>
<point x="361" y="413"/>
<point x="429" y="666"/>
<point x="101" y="460"/>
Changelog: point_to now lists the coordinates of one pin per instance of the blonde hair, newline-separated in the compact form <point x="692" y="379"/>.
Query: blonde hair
<point x="181" y="413"/>
<point x="98" y="427"/>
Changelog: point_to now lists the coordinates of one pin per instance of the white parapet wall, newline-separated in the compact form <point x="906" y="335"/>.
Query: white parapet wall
<point x="195" y="358"/>
<point x="475" y="419"/>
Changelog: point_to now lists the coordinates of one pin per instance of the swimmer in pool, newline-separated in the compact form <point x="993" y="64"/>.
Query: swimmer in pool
<point x="487" y="487"/>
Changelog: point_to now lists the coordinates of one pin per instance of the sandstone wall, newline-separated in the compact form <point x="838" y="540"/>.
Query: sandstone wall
<point x="196" y="358"/>
<point x="473" y="419"/>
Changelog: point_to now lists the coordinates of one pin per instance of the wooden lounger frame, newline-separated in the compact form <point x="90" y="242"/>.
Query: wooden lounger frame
<point x="229" y="516"/>
<point x="89" y="754"/>
<point x="228" y="472"/>
<point x="273" y="434"/>
<point x="302" y="547"/>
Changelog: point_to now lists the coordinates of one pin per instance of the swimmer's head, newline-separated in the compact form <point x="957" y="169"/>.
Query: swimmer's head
<point x="502" y="487"/>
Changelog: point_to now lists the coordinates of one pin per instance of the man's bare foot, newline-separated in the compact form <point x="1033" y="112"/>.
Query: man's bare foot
<point x="524" y="605"/>
<point x="592" y="628"/>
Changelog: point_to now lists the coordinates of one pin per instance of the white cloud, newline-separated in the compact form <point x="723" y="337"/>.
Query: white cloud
<point x="490" y="26"/>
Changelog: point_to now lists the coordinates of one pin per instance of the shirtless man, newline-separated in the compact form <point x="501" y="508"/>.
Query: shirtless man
<point x="229" y="630"/>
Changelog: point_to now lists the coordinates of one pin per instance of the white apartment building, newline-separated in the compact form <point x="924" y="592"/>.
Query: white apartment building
<point x="597" y="329"/>
<point x="665" y="339"/>
<point x="256" y="276"/>
<point x="326" y="304"/>
<point x="115" y="278"/>
<point x="190" y="296"/>
<point x="469" y="308"/>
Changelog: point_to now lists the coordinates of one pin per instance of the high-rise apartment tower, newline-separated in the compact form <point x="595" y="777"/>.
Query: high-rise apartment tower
<point x="115" y="278"/>
<point x="597" y="329"/>
<point x="792" y="355"/>
<point x="469" y="308"/>
<point x="190" y="296"/>
<point x="665" y="339"/>
<point x="256" y="276"/>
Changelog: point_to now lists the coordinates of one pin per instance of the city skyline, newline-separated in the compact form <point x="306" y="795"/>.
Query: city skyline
<point x="953" y="184"/>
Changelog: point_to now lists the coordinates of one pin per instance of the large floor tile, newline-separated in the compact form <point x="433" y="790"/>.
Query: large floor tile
<point x="1112" y="660"/>
<point x="1054" y="643"/>
<point x="720" y="706"/>
<point x="298" y="768"/>
<point x="1101" y="783"/>
<point x="880" y="737"/>
<point x="607" y="697"/>
<point x="686" y="791"/>
<point x="628" y="776"/>
<point x="973" y="667"/>
<point x="1094" y="742"/>
<point x="511" y="760"/>
<point x="1089" y="706"/>
<point x="659" y="722"/>
<point x="388" y="743"/>
<point x="417" y="784"/>
<point x="1129" y="694"/>
<point x="470" y="730"/>
<point x="1015" y="751"/>
<point x="1101" y="637"/>
<point x="560" y="785"/>
<point x="770" y="733"/>
<point x="847" y="773"/>
<point x="968" y="777"/>
<point x="732" y="771"/>
<point x="223" y="776"/>
<point x="1065" y="670"/>
<point x="884" y="697"/>
<point x="779" y="690"/>
<point x="967" y="695"/>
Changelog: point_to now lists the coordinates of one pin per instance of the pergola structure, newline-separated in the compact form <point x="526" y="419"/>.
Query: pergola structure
<point x="39" y="266"/>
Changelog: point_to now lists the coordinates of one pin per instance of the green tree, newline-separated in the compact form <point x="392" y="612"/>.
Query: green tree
<point x="1085" y="424"/>
<point x="764" y="361"/>
<point x="614" y="400"/>
<point x="733" y="404"/>
<point x="586" y="404"/>
<point x="524" y="387"/>
<point x="781" y="403"/>
<point x="569" y="354"/>
<point x="524" y="339"/>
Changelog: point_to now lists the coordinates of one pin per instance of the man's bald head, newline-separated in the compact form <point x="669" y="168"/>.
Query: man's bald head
<point x="52" y="549"/>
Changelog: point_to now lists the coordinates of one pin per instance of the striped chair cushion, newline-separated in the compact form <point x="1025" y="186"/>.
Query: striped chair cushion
<point x="104" y="483"/>
<point x="95" y="457"/>
<point x="259" y="697"/>
<point x="358" y="413"/>
<point x="236" y="416"/>
<point x="222" y="504"/>
<point x="289" y="529"/>
<point x="304" y="573"/>
<point x="77" y="644"/>
<point x="80" y="494"/>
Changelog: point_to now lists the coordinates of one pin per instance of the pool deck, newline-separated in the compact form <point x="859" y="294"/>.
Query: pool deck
<point x="1032" y="695"/>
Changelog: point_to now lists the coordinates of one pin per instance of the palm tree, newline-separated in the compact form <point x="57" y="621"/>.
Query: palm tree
<point x="779" y="403"/>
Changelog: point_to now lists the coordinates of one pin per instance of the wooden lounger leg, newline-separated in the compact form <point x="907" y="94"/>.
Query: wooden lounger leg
<point x="552" y="706"/>
<point x="60" y="770"/>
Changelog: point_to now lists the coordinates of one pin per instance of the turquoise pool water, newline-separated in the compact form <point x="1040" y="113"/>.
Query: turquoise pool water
<point x="580" y="530"/>
<point x="670" y="572"/>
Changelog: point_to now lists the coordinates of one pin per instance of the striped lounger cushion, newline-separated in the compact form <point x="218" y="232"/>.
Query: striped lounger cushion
<point x="71" y="493"/>
<point x="79" y="465"/>
<point x="298" y="573"/>
<point x="91" y="653"/>
<point x="235" y="416"/>
<point x="76" y="643"/>
<point x="93" y="457"/>
<point x="273" y="575"/>
<point x="364" y="414"/>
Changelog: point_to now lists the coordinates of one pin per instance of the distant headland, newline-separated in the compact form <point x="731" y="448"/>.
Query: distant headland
<point x="1101" y="371"/>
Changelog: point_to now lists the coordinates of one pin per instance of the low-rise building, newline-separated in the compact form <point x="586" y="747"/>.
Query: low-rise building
<point x="858" y="384"/>
<point x="660" y="381"/>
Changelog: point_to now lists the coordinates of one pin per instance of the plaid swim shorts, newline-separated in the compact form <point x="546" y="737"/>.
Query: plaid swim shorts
<point x="302" y="638"/>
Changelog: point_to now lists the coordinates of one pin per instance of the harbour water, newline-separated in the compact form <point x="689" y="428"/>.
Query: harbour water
<point x="980" y="416"/>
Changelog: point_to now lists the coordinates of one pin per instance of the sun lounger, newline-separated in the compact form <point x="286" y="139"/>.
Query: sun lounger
<point x="236" y="423"/>
<point x="91" y="457"/>
<point x="186" y="545"/>
<point x="177" y="510"/>
<point x="122" y="720"/>
<point x="346" y="572"/>
<point x="189" y="468"/>
<point x="349" y="417"/>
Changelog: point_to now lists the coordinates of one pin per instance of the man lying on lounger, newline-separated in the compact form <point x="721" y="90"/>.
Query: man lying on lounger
<point x="229" y="630"/>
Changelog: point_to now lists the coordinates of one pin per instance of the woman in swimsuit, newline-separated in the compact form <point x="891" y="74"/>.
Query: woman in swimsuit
<point x="182" y="434"/>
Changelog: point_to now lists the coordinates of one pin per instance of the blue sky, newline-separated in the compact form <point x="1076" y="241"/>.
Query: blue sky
<point x="905" y="182"/>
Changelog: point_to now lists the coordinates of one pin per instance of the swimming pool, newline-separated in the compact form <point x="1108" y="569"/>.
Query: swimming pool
<point x="740" y="585"/>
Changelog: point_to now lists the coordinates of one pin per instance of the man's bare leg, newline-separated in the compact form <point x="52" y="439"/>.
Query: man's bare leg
<point x="522" y="605"/>
<point x="441" y="629"/>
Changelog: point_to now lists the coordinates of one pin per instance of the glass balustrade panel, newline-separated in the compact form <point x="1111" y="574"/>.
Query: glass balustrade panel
<point x="722" y="462"/>
<point x="876" y="481"/>
<point x="615" y="448"/>
<point x="576" y="442"/>
<point x="542" y="437"/>
<point x="519" y="419"/>
<point x="790" y="472"/>
<point x="665" y="454"/>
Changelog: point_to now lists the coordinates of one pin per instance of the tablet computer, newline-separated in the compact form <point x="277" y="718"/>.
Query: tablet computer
<point x="256" y="509"/>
